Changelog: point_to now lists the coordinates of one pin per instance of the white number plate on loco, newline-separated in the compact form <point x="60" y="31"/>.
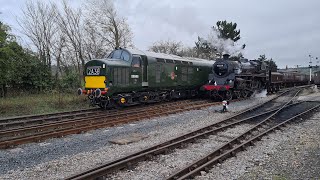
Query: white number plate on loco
<point x="95" y="70"/>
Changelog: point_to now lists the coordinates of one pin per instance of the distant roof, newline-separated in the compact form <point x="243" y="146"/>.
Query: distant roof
<point x="304" y="70"/>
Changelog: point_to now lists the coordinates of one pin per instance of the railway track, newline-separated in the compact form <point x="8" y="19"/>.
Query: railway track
<point x="231" y="148"/>
<point x="25" y="121"/>
<point x="38" y="132"/>
<point x="41" y="118"/>
<point x="268" y="109"/>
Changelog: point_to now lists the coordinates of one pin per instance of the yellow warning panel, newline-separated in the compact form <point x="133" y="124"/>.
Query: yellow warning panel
<point x="95" y="81"/>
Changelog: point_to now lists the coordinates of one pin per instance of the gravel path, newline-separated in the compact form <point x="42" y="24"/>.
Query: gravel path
<point x="58" y="158"/>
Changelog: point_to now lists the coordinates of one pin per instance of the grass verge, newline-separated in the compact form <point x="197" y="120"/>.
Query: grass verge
<point x="40" y="104"/>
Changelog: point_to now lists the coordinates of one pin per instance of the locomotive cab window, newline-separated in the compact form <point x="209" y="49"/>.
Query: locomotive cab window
<point x="125" y="56"/>
<point x="120" y="54"/>
<point x="136" y="61"/>
<point x="116" y="54"/>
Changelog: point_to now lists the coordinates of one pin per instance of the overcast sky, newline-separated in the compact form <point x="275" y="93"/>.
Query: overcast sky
<point x="286" y="30"/>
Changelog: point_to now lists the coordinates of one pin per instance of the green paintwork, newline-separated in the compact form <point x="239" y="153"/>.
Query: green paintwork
<point x="171" y="74"/>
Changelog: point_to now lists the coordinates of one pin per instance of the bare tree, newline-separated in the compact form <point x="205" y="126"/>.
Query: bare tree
<point x="58" y="50"/>
<point x="71" y="24"/>
<point x="109" y="26"/>
<point x="69" y="37"/>
<point x="38" y="24"/>
<point x="189" y="52"/>
<point x="95" y="46"/>
<point x="168" y="47"/>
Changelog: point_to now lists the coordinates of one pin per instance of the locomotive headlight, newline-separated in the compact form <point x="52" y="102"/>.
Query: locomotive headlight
<point x="103" y="66"/>
<point x="123" y="100"/>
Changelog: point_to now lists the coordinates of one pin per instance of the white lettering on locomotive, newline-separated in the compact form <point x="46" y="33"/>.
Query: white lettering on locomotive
<point x="93" y="70"/>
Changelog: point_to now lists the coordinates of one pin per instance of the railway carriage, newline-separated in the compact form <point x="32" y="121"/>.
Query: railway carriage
<point x="276" y="83"/>
<point x="294" y="79"/>
<point x="131" y="76"/>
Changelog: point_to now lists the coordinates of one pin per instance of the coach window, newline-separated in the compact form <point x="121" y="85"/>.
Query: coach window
<point x="136" y="61"/>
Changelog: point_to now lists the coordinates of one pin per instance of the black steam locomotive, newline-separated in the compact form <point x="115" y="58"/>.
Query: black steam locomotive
<point x="234" y="79"/>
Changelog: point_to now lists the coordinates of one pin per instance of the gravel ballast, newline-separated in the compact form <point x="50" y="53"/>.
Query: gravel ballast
<point x="165" y="165"/>
<point x="292" y="153"/>
<point x="59" y="158"/>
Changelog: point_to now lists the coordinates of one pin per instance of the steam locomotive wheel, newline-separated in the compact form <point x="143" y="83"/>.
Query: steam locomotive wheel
<point x="237" y="95"/>
<point x="244" y="93"/>
<point x="228" y="95"/>
<point x="214" y="93"/>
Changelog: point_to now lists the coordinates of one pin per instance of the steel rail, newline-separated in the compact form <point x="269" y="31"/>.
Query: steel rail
<point x="163" y="147"/>
<point x="219" y="154"/>
<point x="117" y="114"/>
<point x="46" y="115"/>
<point x="97" y="114"/>
<point x="42" y="120"/>
<point x="75" y="127"/>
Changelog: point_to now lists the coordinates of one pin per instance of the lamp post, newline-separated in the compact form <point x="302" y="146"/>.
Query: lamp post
<point x="310" y="67"/>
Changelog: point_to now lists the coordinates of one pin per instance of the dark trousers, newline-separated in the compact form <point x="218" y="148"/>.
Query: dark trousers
<point x="224" y="109"/>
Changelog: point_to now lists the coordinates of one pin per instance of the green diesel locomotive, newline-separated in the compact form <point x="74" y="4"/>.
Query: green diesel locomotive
<point x="131" y="76"/>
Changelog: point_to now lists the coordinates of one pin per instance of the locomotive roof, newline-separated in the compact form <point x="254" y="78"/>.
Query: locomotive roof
<point x="171" y="56"/>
